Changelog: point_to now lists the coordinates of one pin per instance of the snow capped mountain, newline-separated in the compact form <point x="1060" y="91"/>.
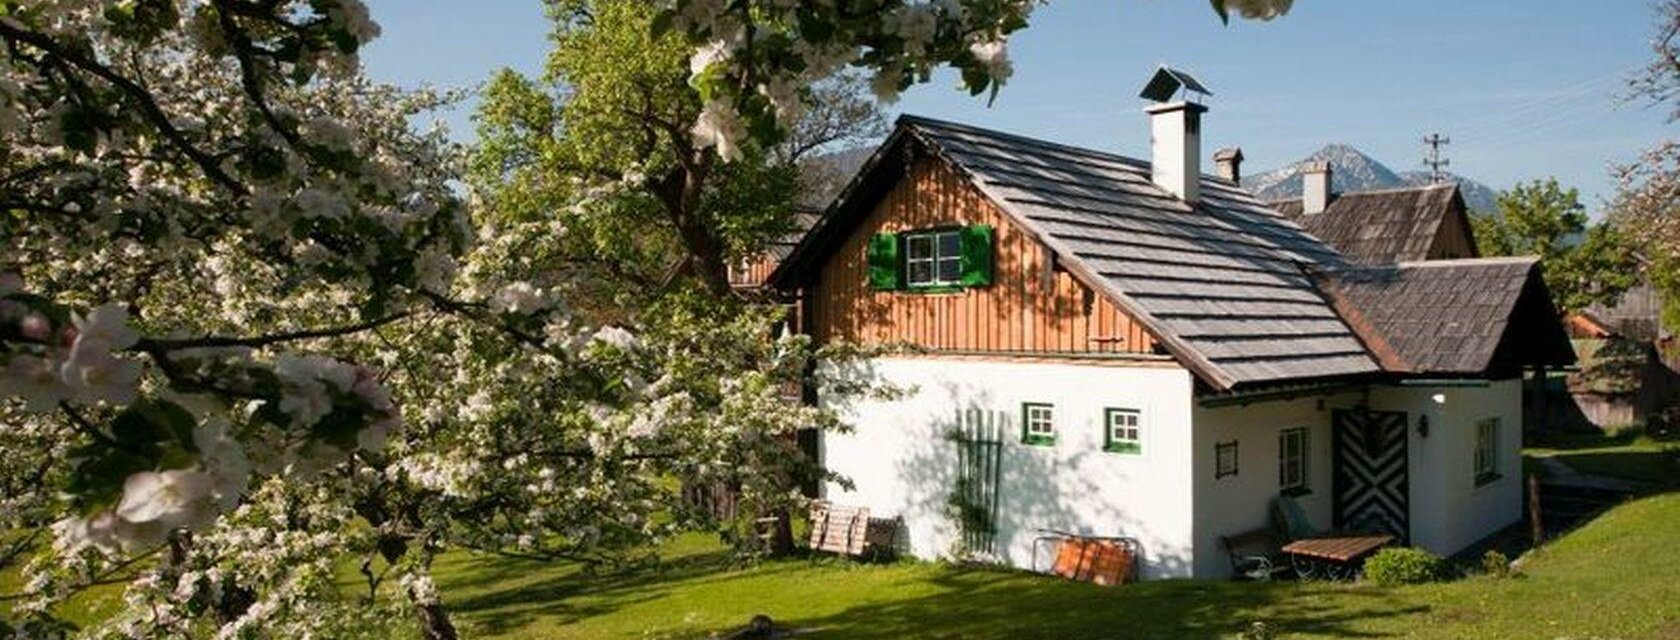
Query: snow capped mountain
<point x="1352" y="170"/>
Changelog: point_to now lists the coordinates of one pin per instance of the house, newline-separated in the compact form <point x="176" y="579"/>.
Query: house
<point x="1103" y="345"/>
<point x="1383" y="226"/>
<point x="749" y="272"/>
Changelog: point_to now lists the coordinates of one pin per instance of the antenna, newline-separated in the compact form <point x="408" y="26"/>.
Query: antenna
<point x="1432" y="157"/>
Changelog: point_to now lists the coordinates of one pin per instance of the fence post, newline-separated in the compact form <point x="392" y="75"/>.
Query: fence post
<point x="1535" y="529"/>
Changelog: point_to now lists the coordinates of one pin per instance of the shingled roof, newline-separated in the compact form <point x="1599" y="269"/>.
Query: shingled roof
<point x="1384" y="226"/>
<point x="1220" y="285"/>
<point x="1453" y="317"/>
<point x="1236" y="291"/>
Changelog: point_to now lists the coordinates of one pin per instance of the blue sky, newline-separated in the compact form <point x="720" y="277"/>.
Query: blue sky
<point x="1525" y="88"/>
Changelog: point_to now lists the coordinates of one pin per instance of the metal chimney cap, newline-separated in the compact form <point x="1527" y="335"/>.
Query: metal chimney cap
<point x="1167" y="82"/>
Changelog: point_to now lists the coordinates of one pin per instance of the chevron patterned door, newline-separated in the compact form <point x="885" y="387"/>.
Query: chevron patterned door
<point x="1369" y="460"/>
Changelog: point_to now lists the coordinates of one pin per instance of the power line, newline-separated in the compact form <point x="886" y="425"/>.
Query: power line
<point x="1432" y="158"/>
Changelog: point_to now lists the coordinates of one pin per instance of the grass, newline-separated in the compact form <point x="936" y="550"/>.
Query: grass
<point x="1627" y="454"/>
<point x="1613" y="578"/>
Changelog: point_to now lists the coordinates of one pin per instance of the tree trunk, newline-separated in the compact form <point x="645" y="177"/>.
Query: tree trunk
<point x="434" y="621"/>
<point x="428" y="606"/>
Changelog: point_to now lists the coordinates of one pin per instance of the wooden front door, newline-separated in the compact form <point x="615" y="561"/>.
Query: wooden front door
<point x="1369" y="461"/>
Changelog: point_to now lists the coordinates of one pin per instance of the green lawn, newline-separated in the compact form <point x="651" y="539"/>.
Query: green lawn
<point x="1627" y="455"/>
<point x="1618" y="577"/>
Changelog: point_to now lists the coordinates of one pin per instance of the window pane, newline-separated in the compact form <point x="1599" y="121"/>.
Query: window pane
<point x="950" y="270"/>
<point x="919" y="247"/>
<point x="921" y="272"/>
<point x="950" y="244"/>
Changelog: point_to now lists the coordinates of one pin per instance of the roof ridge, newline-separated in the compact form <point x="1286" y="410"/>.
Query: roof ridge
<point x="913" y="119"/>
<point x="1453" y="262"/>
<point x="1375" y="192"/>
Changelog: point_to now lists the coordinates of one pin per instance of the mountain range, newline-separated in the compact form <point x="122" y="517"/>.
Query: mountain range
<point x="1352" y="170"/>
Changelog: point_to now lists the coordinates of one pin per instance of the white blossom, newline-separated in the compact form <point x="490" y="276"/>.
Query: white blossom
<point x="994" y="54"/>
<point x="518" y="298"/>
<point x="720" y="127"/>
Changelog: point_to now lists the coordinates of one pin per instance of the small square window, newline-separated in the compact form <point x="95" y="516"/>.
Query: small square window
<point x="1292" y="461"/>
<point x="1038" y="423"/>
<point x="1225" y="459"/>
<point x="1487" y="451"/>
<point x="1121" y="433"/>
<point x="933" y="258"/>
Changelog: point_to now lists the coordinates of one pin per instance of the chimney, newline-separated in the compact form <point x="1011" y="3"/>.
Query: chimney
<point x="1175" y="132"/>
<point x="1175" y="142"/>
<point x="1315" y="187"/>
<point x="1227" y="164"/>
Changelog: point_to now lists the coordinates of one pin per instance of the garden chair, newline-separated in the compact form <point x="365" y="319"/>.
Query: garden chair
<point x="1256" y="555"/>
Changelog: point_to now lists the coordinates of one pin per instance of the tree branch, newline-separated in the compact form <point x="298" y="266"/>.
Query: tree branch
<point x="171" y="344"/>
<point x="148" y="106"/>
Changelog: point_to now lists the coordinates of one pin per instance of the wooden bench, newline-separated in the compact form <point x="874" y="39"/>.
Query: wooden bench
<point x="839" y="529"/>
<point x="1336" y="557"/>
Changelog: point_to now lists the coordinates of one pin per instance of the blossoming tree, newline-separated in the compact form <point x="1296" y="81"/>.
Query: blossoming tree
<point x="249" y="332"/>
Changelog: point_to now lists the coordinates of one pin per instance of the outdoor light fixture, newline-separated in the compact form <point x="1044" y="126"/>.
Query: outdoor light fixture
<point x="1423" y="426"/>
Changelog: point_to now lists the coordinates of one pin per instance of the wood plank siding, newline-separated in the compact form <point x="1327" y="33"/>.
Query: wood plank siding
<point x="1018" y="312"/>
<point x="752" y="272"/>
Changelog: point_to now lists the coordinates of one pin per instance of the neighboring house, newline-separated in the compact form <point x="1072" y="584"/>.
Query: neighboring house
<point x="1133" y="348"/>
<point x="750" y="272"/>
<point x="1383" y="226"/>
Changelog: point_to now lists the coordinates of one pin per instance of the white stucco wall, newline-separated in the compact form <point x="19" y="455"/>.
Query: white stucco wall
<point x="1449" y="512"/>
<point x="1240" y="503"/>
<point x="901" y="464"/>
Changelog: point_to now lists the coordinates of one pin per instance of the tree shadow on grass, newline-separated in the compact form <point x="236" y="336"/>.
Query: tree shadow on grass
<point x="503" y="595"/>
<point x="989" y="604"/>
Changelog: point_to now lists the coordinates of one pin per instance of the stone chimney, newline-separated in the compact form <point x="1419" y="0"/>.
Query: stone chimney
<point x="1175" y="142"/>
<point x="1227" y="164"/>
<point x="1315" y="187"/>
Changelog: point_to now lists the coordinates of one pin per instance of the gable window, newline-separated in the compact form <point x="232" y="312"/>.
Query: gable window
<point x="1224" y="459"/>
<point x="1487" y="451"/>
<point x="1292" y="461"/>
<point x="933" y="258"/>
<point x="1038" y="423"/>
<point x="1121" y="433"/>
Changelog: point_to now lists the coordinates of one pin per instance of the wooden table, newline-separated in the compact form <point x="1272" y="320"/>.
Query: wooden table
<point x="1334" y="557"/>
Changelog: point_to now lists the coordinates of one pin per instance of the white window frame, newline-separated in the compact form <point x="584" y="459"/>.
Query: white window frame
<point x="934" y="258"/>
<point x="1038" y="423"/>
<point x="1294" y="452"/>
<point x="1485" y="459"/>
<point x="1126" y="435"/>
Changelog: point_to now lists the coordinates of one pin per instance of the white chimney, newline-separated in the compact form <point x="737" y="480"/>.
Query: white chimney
<point x="1227" y="164"/>
<point x="1315" y="187"/>
<point x="1175" y="141"/>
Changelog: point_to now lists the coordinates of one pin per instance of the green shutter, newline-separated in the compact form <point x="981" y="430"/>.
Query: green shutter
<point x="883" y="262"/>
<point x="977" y="255"/>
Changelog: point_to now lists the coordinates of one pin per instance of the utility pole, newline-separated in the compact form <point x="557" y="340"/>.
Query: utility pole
<point x="1432" y="157"/>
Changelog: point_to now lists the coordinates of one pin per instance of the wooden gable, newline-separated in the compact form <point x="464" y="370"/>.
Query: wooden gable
<point x="1030" y="307"/>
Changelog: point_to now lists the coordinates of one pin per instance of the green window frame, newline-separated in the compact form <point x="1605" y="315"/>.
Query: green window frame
<point x="1122" y="430"/>
<point x="1038" y="423"/>
<point x="1294" y="452"/>
<point x="1486" y="461"/>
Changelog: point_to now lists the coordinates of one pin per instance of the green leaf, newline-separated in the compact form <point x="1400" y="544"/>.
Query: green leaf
<point x="1224" y="13"/>
<point x="662" y="23"/>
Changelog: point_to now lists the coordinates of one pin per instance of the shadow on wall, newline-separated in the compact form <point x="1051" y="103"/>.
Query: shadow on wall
<point x="1041" y="489"/>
